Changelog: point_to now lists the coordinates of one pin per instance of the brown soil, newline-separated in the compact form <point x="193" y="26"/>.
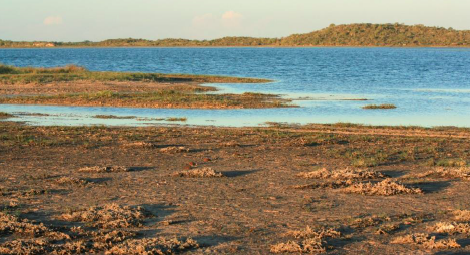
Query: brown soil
<point x="46" y="208"/>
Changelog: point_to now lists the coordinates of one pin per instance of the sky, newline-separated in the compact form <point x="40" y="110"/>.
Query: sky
<point x="95" y="20"/>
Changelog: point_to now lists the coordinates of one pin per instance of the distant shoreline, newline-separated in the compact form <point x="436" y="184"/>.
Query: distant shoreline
<point x="233" y="47"/>
<point x="352" y="35"/>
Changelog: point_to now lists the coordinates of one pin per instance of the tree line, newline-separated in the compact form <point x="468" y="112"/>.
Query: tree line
<point x="365" y="34"/>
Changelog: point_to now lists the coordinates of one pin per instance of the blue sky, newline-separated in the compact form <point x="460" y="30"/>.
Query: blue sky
<point x="78" y="20"/>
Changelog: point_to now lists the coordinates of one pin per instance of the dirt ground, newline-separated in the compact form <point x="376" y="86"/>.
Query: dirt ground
<point x="339" y="189"/>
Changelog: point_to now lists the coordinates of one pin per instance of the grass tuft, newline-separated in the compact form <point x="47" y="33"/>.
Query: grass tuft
<point x="342" y="174"/>
<point x="105" y="169"/>
<point x="109" y="216"/>
<point x="4" y="115"/>
<point x="384" y="188"/>
<point x="309" y="241"/>
<point x="426" y="241"/>
<point x="379" y="107"/>
<point x="205" y="172"/>
<point x="176" y="119"/>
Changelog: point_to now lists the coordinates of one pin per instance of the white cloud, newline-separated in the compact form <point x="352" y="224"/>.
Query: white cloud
<point x="228" y="20"/>
<point x="231" y="15"/>
<point x="53" y="20"/>
<point x="232" y="19"/>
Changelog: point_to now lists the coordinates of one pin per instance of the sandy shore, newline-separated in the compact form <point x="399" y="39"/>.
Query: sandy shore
<point x="228" y="190"/>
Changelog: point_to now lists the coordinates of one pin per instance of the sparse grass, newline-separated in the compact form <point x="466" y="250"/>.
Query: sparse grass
<point x="384" y="188"/>
<point x="342" y="174"/>
<point x="462" y="215"/>
<point x="10" y="224"/>
<point x="427" y="242"/>
<point x="4" y="115"/>
<point x="368" y="221"/>
<point x="276" y="153"/>
<point x="14" y="75"/>
<point x="113" y="117"/>
<point x="174" y="149"/>
<point x="183" y="95"/>
<point x="176" y="119"/>
<point x="65" y="180"/>
<point x="387" y="229"/>
<point x="156" y="99"/>
<point x="142" y="144"/>
<point x="448" y="172"/>
<point x="455" y="162"/>
<point x="205" y="172"/>
<point x="365" y="162"/>
<point x="379" y="107"/>
<point x="158" y="245"/>
<point x="110" y="216"/>
<point x="308" y="241"/>
<point x="23" y="236"/>
<point x="337" y="184"/>
<point x="451" y="228"/>
<point x="105" y="169"/>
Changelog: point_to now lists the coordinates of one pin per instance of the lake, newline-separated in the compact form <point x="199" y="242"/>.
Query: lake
<point x="429" y="86"/>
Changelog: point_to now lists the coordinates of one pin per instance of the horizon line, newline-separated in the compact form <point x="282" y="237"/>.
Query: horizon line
<point x="228" y="36"/>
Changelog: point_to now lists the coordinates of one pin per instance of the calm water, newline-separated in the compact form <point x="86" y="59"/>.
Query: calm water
<point x="430" y="87"/>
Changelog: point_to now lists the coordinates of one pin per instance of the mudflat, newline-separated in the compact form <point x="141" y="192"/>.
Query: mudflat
<point x="340" y="189"/>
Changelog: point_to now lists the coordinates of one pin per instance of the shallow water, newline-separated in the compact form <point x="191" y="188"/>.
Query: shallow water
<point x="430" y="86"/>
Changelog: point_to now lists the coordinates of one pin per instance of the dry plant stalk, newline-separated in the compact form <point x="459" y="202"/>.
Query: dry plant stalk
<point x="110" y="216"/>
<point x="427" y="242"/>
<point x="342" y="174"/>
<point x="174" y="149"/>
<point x="105" y="169"/>
<point x="451" y="228"/>
<point x="448" y="172"/>
<point x="461" y="215"/>
<point x="310" y="241"/>
<point x="384" y="188"/>
<point x="152" y="246"/>
<point x="205" y="172"/>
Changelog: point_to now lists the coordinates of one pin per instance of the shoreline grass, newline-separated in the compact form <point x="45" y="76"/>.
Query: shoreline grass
<point x="114" y="117"/>
<point x="159" y="99"/>
<point x="174" y="119"/>
<point x="155" y="92"/>
<point x="379" y="107"/>
<point x="4" y="115"/>
<point x="16" y="75"/>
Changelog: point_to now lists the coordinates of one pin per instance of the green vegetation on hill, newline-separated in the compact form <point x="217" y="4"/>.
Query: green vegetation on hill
<point x="381" y="35"/>
<point x="397" y="35"/>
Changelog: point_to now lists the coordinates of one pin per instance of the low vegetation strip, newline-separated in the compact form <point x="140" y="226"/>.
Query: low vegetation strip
<point x="379" y="107"/>
<point x="4" y="115"/>
<point x="169" y="90"/>
<point x="159" y="99"/>
<point x="14" y="75"/>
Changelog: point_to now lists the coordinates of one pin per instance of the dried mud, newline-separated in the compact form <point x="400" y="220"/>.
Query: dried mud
<point x="273" y="188"/>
